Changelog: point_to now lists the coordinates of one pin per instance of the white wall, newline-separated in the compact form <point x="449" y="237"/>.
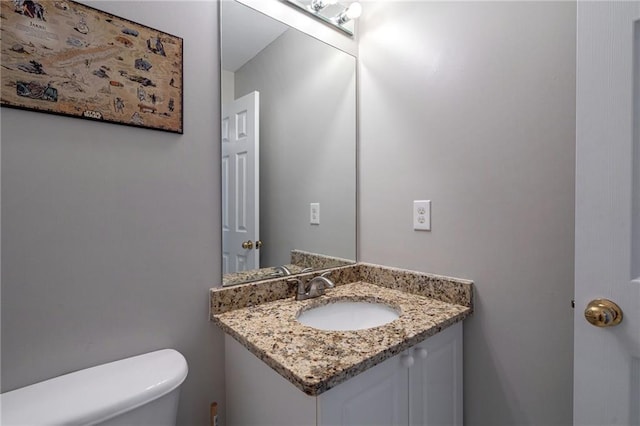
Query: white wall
<point x="111" y="234"/>
<point x="472" y="105"/>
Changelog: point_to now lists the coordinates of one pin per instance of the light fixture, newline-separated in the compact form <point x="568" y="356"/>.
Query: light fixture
<point x="353" y="11"/>
<point x="318" y="5"/>
<point x="339" y="14"/>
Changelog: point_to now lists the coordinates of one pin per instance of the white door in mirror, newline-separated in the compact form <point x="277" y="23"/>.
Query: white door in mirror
<point x="240" y="183"/>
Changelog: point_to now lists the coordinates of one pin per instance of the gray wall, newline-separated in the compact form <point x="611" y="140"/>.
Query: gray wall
<point x="111" y="234"/>
<point x="472" y="105"/>
<point x="307" y="146"/>
<point x="228" y="86"/>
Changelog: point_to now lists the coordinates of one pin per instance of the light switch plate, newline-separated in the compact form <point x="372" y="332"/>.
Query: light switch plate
<point x="422" y="215"/>
<point x="314" y="214"/>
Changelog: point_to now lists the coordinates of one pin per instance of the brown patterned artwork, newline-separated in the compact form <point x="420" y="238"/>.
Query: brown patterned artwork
<point x="66" y="58"/>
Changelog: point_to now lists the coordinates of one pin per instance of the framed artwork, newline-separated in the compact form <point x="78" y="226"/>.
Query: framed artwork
<point x="63" y="57"/>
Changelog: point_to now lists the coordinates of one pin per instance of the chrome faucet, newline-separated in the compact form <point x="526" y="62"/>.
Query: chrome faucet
<point x="314" y="287"/>
<point x="281" y="271"/>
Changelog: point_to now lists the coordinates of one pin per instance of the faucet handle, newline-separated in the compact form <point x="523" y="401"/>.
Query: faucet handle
<point x="301" y="289"/>
<point x="326" y="274"/>
<point x="282" y="270"/>
<point x="324" y="281"/>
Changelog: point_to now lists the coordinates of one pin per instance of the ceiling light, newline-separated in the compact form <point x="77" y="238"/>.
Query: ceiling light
<point x="352" y="12"/>
<point x="318" y="5"/>
<point x="336" y="13"/>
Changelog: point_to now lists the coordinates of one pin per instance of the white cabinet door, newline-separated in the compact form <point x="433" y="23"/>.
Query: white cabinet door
<point x="421" y="386"/>
<point x="435" y="380"/>
<point x="379" y="396"/>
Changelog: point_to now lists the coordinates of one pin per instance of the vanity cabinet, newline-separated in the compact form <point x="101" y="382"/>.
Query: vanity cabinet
<point x="420" y="386"/>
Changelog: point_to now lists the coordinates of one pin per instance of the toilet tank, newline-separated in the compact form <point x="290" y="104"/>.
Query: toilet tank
<point x="141" y="387"/>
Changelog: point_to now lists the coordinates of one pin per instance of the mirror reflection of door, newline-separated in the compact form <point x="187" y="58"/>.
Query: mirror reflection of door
<point x="307" y="146"/>
<point x="240" y="184"/>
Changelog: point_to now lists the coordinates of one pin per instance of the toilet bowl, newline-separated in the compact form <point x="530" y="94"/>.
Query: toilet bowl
<point x="141" y="390"/>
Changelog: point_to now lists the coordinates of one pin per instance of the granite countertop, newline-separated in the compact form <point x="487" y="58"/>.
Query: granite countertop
<point x="257" y="274"/>
<point x="317" y="360"/>
<point x="300" y="260"/>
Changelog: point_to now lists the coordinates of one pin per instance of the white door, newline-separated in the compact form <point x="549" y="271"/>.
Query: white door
<point x="240" y="184"/>
<point x="607" y="264"/>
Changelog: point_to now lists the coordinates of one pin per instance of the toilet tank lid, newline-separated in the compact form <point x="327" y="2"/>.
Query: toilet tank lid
<point x="95" y="394"/>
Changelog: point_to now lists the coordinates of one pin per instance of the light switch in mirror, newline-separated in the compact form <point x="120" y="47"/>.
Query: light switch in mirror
<point x="288" y="140"/>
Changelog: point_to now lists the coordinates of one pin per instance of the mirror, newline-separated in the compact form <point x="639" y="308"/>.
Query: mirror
<point x="288" y="149"/>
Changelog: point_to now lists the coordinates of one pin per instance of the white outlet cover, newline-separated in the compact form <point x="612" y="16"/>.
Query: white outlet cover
<point x="422" y="215"/>
<point x="314" y="213"/>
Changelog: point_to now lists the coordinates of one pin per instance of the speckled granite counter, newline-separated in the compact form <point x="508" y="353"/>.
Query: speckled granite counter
<point x="257" y="275"/>
<point x="317" y="260"/>
<point x="262" y="317"/>
<point x="300" y="260"/>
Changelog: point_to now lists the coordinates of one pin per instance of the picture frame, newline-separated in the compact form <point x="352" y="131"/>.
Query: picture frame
<point x="67" y="58"/>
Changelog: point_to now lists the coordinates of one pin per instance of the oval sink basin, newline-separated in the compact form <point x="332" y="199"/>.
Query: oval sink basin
<point x="348" y="315"/>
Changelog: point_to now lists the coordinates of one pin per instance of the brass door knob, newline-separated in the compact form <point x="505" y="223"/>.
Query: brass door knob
<point x="248" y="245"/>
<point x="258" y="244"/>
<point x="603" y="313"/>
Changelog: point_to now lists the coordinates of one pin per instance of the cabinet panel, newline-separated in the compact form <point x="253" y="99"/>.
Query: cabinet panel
<point x="257" y="395"/>
<point x="379" y="396"/>
<point x="435" y="382"/>
<point x="427" y="390"/>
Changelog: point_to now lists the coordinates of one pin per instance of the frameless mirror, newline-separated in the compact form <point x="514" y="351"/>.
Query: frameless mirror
<point x="288" y="149"/>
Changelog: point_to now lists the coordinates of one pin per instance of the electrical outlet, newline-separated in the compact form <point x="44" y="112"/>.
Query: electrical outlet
<point x="422" y="215"/>
<point x="314" y="214"/>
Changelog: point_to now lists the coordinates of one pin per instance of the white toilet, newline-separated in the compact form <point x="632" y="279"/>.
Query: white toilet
<point x="141" y="390"/>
